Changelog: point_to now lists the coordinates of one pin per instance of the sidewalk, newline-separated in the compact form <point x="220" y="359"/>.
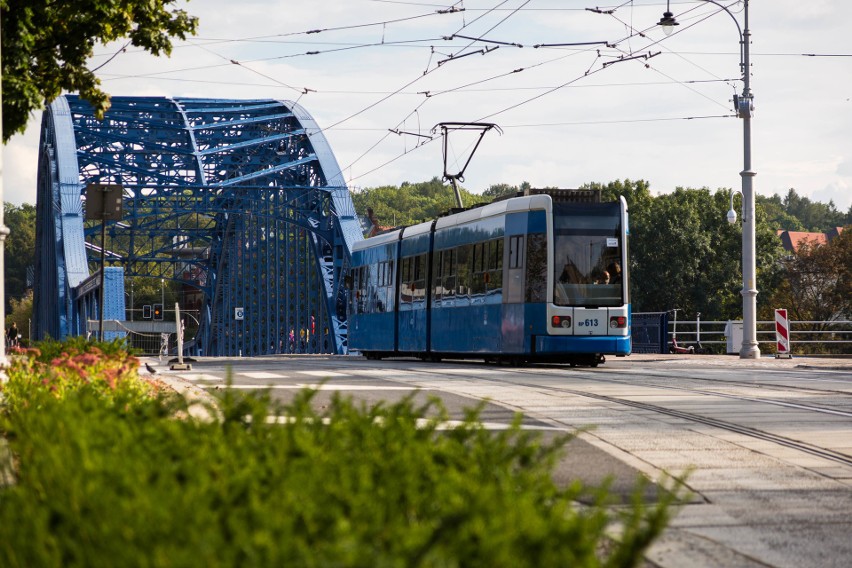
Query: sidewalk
<point x="838" y="363"/>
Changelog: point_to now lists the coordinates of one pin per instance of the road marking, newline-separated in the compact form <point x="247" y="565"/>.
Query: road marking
<point x="319" y="387"/>
<point x="262" y="375"/>
<point x="424" y="422"/>
<point x="323" y="374"/>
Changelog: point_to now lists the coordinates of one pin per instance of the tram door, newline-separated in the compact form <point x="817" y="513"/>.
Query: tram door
<point x="514" y="286"/>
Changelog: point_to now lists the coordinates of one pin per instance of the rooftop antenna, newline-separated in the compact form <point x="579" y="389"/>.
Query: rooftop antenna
<point x="446" y="128"/>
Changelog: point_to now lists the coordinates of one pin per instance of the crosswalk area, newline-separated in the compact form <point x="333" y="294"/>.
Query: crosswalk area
<point x="295" y="380"/>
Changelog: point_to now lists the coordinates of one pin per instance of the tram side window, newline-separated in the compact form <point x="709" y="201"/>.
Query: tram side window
<point x="536" y="288"/>
<point x="516" y="251"/>
<point x="418" y="277"/>
<point x="436" y="275"/>
<point x="463" y="279"/>
<point x="367" y="297"/>
<point x="405" y="292"/>
<point x="413" y="278"/>
<point x="390" y="279"/>
<point x="448" y="271"/>
<point x="353" y="292"/>
<point x="479" y="266"/>
<point x="494" y="267"/>
<point x="383" y="287"/>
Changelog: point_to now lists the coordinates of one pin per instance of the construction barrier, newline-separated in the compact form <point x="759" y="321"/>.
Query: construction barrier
<point x="782" y="335"/>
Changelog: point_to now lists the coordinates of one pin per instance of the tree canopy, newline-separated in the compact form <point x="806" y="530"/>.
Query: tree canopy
<point x="46" y="47"/>
<point x="411" y="203"/>
<point x="19" y="249"/>
<point x="795" y="212"/>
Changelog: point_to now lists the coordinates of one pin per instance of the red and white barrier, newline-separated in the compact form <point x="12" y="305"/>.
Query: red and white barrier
<point x="782" y="335"/>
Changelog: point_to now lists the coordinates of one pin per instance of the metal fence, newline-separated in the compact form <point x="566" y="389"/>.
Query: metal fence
<point x="158" y="339"/>
<point x="806" y="337"/>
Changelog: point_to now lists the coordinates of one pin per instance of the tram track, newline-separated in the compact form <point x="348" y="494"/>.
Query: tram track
<point x="744" y="398"/>
<point x="437" y="372"/>
<point x="784" y="441"/>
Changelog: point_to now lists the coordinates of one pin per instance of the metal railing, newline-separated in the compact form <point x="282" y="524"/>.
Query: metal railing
<point x="805" y="336"/>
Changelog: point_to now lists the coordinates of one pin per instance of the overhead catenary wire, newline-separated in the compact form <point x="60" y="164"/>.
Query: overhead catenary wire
<point x="469" y="85"/>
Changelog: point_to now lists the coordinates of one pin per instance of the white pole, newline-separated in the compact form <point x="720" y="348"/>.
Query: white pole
<point x="749" y="349"/>
<point x="179" y="329"/>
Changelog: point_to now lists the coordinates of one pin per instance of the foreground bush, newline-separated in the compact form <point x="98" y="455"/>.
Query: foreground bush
<point x="103" y="369"/>
<point x="117" y="481"/>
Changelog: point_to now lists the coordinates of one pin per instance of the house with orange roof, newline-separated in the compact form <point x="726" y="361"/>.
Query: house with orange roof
<point x="793" y="240"/>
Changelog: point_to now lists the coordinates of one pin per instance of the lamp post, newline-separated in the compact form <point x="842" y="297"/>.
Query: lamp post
<point x="744" y="105"/>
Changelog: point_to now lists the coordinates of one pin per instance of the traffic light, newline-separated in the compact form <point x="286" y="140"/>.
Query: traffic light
<point x="146" y="311"/>
<point x="158" y="311"/>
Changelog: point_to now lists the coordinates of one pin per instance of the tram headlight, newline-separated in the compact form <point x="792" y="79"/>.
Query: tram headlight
<point x="561" y="321"/>
<point x="616" y="322"/>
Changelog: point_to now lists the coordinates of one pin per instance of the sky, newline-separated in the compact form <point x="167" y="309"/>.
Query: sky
<point x="625" y="101"/>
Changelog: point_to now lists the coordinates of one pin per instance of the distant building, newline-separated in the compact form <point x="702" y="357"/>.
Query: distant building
<point x="792" y="240"/>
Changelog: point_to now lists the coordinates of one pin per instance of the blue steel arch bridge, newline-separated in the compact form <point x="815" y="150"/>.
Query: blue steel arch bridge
<point x="240" y="201"/>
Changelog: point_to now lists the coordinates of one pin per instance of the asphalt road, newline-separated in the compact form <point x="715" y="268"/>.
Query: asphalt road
<point x="766" y="444"/>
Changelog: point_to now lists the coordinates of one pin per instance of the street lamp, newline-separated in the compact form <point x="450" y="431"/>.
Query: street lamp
<point x="744" y="105"/>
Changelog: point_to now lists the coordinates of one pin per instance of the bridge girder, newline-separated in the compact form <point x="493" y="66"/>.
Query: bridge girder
<point x="241" y="200"/>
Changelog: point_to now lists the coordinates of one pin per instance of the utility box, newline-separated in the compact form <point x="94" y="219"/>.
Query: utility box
<point x="734" y="335"/>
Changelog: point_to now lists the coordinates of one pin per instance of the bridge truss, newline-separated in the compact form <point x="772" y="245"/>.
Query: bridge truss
<point x="240" y="205"/>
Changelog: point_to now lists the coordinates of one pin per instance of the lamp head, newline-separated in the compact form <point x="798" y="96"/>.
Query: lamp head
<point x="668" y="23"/>
<point x="732" y="216"/>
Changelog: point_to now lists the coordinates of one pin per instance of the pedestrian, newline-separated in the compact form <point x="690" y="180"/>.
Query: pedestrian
<point x="12" y="335"/>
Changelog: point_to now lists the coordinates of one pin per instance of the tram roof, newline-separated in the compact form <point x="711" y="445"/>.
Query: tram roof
<point x="513" y="205"/>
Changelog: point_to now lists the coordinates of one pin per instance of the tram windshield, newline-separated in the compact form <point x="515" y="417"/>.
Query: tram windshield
<point x="587" y="255"/>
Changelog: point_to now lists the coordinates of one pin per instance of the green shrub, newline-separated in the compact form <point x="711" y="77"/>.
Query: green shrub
<point x="118" y="481"/>
<point x="59" y="367"/>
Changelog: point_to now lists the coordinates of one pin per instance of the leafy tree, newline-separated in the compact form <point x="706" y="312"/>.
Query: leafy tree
<point x="813" y="215"/>
<point x="410" y="203"/>
<point x="817" y="284"/>
<point x="636" y="193"/>
<point x="20" y="313"/>
<point x="19" y="252"/>
<point x="46" y="46"/>
<point x="777" y="214"/>
<point x="684" y="254"/>
<point x="499" y="190"/>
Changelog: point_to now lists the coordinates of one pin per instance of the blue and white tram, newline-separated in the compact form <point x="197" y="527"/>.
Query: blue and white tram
<point x="532" y="278"/>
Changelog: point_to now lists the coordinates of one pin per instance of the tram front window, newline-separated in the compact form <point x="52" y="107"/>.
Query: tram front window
<point x="587" y="255"/>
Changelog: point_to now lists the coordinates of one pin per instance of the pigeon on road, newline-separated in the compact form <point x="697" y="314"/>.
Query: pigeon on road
<point x="151" y="369"/>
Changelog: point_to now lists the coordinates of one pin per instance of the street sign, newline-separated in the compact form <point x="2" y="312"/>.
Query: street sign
<point x="104" y="202"/>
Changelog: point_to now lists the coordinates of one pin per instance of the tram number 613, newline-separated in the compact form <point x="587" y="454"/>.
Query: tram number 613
<point x="589" y="322"/>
